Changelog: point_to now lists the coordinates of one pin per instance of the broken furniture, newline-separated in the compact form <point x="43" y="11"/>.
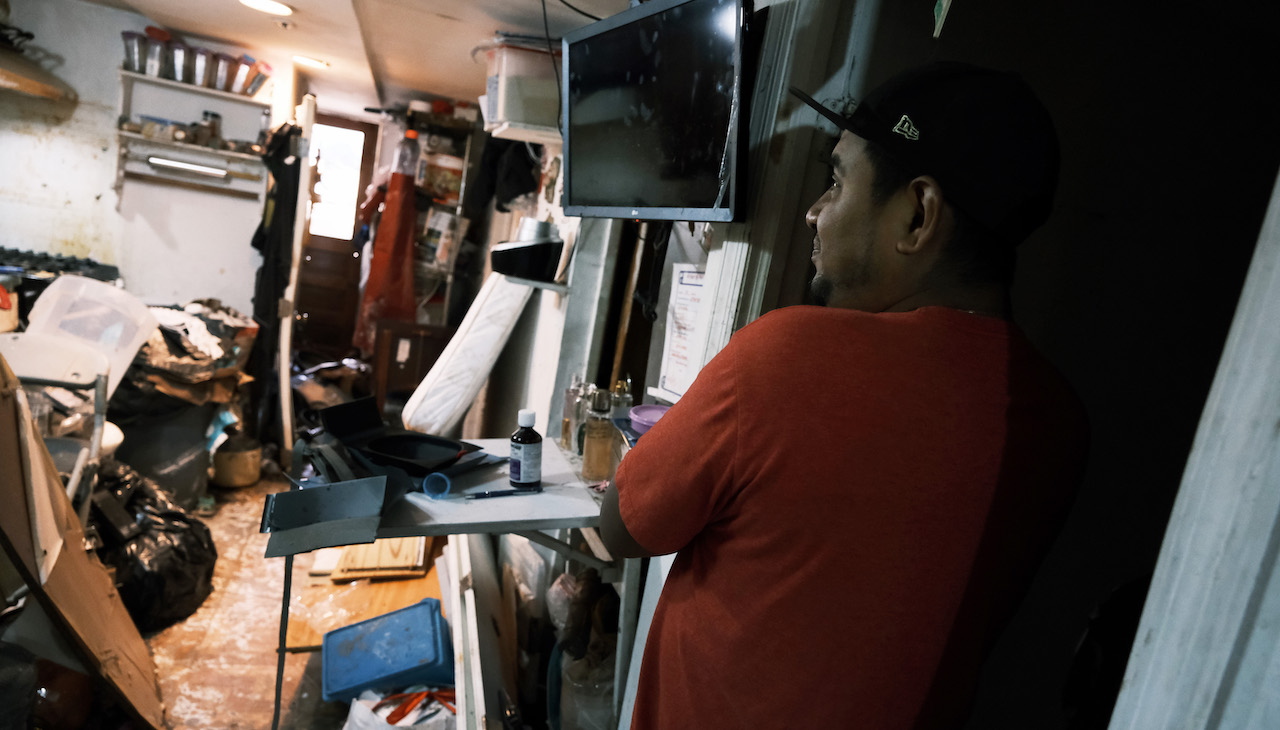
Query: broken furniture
<point x="40" y="359"/>
<point x="44" y="543"/>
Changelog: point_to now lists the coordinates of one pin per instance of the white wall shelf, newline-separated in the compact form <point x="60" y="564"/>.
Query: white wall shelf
<point x="129" y="137"/>
<point x="239" y="174"/>
<point x="130" y="77"/>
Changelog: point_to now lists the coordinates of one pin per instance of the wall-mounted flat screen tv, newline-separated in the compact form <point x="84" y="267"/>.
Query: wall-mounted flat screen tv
<point x="652" y="110"/>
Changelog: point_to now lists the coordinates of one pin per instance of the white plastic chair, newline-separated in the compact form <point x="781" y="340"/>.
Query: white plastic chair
<point x="44" y="359"/>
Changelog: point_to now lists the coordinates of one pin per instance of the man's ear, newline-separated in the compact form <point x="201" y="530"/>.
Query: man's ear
<point x="929" y="221"/>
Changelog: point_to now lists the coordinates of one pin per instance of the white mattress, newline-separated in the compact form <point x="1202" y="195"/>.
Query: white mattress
<point x="444" y="395"/>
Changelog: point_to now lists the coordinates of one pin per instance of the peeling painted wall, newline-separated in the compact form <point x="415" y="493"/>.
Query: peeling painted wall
<point x="58" y="166"/>
<point x="55" y="189"/>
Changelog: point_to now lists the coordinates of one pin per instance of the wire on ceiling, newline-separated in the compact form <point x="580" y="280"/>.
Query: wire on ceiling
<point x="577" y="10"/>
<point x="551" y="52"/>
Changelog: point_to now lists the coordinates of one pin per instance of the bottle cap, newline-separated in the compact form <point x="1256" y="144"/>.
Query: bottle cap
<point x="526" y="417"/>
<point x="411" y="134"/>
<point x="600" y="401"/>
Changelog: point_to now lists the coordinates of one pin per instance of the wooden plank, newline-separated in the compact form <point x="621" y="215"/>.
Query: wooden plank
<point x="322" y="608"/>
<point x="396" y="557"/>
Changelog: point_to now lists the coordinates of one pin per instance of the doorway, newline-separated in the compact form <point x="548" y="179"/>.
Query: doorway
<point x="343" y="151"/>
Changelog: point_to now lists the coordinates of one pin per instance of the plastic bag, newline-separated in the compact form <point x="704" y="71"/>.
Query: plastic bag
<point x="17" y="686"/>
<point x="429" y="716"/>
<point x="165" y="572"/>
<point x="586" y="695"/>
<point x="560" y="597"/>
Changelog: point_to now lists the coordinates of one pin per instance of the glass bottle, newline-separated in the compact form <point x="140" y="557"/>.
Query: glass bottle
<point x="406" y="159"/>
<point x="526" y="452"/>
<point x="621" y="400"/>
<point x="597" y="452"/>
<point x="580" y="408"/>
<point x="570" y="405"/>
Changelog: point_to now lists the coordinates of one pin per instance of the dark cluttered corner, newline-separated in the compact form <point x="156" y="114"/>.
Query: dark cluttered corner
<point x="129" y="407"/>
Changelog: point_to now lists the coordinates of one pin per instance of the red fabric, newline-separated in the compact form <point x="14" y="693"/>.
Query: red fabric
<point x="389" y="293"/>
<point x="859" y="501"/>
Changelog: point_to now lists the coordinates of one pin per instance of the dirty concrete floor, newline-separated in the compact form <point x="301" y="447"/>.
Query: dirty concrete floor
<point x="217" y="668"/>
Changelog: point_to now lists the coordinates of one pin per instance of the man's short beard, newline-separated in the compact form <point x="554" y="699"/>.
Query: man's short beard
<point x="820" y="290"/>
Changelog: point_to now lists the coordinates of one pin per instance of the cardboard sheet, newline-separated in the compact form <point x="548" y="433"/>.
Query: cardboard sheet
<point x="74" y="589"/>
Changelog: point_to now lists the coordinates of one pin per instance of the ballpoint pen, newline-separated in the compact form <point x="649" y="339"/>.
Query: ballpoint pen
<point x="503" y="493"/>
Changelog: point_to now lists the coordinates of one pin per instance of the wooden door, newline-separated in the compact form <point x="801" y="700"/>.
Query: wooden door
<point x="329" y="271"/>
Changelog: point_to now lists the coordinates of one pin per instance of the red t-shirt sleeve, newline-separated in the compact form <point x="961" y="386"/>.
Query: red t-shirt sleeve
<point x="680" y="475"/>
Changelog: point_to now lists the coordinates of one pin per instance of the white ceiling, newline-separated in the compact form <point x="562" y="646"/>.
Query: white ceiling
<point x="381" y="52"/>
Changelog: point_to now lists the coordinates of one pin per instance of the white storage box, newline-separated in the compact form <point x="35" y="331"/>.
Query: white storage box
<point x="521" y="88"/>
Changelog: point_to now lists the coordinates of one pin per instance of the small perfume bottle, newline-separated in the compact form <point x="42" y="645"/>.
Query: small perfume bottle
<point x="567" y="424"/>
<point x="597" y="453"/>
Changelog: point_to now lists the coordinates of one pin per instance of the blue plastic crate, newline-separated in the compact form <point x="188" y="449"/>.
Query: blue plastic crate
<point x="397" y="649"/>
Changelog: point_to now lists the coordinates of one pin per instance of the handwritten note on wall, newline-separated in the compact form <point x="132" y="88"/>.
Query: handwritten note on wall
<point x="682" y="349"/>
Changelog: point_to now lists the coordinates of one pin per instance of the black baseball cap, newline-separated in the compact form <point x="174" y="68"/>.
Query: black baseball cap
<point x="982" y="134"/>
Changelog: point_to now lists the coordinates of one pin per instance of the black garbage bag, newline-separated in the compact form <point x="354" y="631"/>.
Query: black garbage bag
<point x="18" y="683"/>
<point x="164" y="560"/>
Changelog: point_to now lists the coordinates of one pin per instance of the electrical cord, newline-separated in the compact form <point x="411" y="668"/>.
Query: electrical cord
<point x="546" y="27"/>
<point x="578" y="11"/>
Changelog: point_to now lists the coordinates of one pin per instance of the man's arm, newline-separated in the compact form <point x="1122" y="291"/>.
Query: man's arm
<point x="614" y="532"/>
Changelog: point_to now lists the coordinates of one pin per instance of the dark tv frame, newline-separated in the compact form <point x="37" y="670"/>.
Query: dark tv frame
<point x="731" y="208"/>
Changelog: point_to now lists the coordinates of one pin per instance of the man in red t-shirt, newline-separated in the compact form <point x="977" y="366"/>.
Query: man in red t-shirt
<point x="859" y="494"/>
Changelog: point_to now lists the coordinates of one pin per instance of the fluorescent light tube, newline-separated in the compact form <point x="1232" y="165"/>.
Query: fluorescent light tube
<point x="186" y="167"/>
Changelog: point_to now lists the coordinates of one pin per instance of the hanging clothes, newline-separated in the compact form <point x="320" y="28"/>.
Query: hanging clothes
<point x="389" y="293"/>
<point x="274" y="240"/>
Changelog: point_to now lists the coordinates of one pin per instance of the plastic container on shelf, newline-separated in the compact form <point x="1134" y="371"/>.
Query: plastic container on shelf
<point x="135" y="45"/>
<point x="643" y="417"/>
<point x="406" y="158"/>
<point x="224" y="70"/>
<point x="441" y="176"/>
<point x="157" y="59"/>
<point x="241" y="78"/>
<point x="521" y="87"/>
<point x="409" y="646"/>
<point x="99" y="314"/>
<point x="201" y="66"/>
<point x="261" y="72"/>
<point x="180" y="61"/>
<point x="155" y="63"/>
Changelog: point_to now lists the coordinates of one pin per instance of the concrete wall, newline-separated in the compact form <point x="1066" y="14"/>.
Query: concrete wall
<point x="172" y="245"/>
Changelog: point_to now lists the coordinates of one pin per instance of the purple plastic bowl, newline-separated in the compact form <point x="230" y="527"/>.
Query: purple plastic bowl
<point x="643" y="417"/>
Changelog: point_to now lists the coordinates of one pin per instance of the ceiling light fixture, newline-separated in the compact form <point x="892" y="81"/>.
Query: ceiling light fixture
<point x="312" y="62"/>
<point x="271" y="7"/>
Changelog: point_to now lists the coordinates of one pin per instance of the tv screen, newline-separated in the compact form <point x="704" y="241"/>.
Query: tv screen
<point x="652" y="108"/>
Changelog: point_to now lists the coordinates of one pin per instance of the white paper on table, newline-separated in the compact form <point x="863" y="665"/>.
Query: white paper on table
<point x="681" y="350"/>
<point x="45" y="533"/>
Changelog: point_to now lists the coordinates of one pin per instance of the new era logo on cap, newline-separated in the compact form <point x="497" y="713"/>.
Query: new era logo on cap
<point x="906" y="128"/>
